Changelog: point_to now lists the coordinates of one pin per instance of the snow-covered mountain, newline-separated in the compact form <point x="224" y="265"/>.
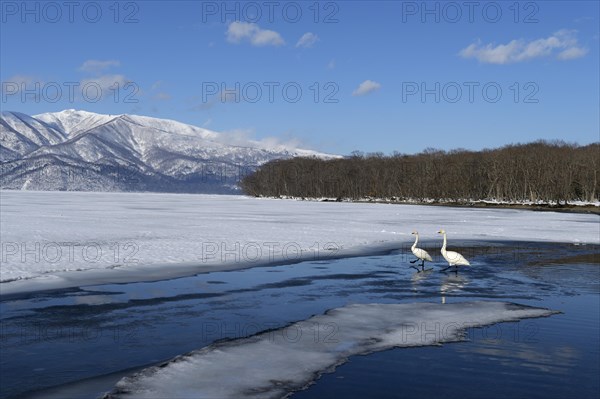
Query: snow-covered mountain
<point x="84" y="151"/>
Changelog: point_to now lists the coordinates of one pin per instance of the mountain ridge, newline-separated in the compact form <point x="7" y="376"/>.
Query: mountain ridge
<point x="75" y="150"/>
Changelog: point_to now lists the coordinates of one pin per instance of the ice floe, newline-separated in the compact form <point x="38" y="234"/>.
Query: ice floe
<point x="274" y="363"/>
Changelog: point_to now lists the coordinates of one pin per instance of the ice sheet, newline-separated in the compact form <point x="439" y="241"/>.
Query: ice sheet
<point x="65" y="239"/>
<point x="275" y="363"/>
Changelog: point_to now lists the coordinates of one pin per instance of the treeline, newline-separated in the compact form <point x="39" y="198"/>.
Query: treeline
<point x="540" y="171"/>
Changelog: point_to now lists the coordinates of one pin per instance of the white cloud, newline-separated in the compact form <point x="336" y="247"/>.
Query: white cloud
<point x="225" y="96"/>
<point x="162" y="96"/>
<point x="229" y="95"/>
<point x="159" y="94"/>
<point x="266" y="38"/>
<point x="307" y="40"/>
<point x="572" y="53"/>
<point x="521" y="50"/>
<point x="239" y="137"/>
<point x="245" y="138"/>
<point x="241" y="31"/>
<point x="27" y="79"/>
<point x="96" y="66"/>
<point x="104" y="86"/>
<point x="366" y="87"/>
<point x="16" y="83"/>
<point x="106" y="81"/>
<point x="22" y="80"/>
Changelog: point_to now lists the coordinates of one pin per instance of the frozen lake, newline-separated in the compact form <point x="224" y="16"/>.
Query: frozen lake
<point x="82" y="341"/>
<point x="53" y="240"/>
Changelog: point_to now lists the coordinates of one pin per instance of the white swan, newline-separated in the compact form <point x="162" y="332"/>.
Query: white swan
<point x="421" y="254"/>
<point x="453" y="258"/>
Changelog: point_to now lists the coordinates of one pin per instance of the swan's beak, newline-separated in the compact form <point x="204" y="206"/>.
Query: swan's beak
<point x="440" y="232"/>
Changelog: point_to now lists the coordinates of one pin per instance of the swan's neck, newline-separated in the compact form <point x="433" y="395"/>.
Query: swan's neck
<point x="416" y="241"/>
<point x="444" y="244"/>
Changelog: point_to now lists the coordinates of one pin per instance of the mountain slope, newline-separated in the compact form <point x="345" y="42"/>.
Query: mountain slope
<point x="72" y="121"/>
<point x="21" y="134"/>
<point x="79" y="150"/>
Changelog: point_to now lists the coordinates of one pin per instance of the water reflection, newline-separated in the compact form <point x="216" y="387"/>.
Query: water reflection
<point x="93" y="299"/>
<point x="554" y="360"/>
<point x="418" y="278"/>
<point x="452" y="283"/>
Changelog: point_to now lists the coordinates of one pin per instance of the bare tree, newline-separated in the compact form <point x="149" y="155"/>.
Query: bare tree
<point x="540" y="171"/>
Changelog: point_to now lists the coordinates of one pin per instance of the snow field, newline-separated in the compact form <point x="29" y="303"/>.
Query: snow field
<point x="64" y="239"/>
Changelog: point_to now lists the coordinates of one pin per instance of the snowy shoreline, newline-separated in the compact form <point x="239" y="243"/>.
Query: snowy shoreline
<point x="124" y="237"/>
<point x="571" y="207"/>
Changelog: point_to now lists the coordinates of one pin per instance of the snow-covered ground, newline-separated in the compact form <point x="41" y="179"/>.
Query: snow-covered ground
<point x="291" y="358"/>
<point x="417" y="201"/>
<point x="64" y="239"/>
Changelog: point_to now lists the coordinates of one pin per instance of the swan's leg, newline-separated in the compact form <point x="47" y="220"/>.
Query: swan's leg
<point x="443" y="270"/>
<point x="414" y="261"/>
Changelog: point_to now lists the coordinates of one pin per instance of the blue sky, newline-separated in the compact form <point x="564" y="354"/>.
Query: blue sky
<point x="374" y="76"/>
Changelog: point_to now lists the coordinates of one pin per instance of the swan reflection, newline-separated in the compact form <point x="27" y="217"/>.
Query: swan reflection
<point x="451" y="283"/>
